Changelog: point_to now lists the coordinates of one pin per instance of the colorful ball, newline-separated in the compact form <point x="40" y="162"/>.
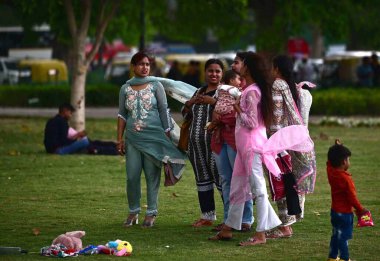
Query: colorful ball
<point x="125" y="245"/>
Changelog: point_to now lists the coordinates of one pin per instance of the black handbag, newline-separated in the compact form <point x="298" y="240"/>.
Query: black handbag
<point x="291" y="195"/>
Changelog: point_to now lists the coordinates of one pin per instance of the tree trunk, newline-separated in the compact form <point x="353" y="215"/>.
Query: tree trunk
<point x="79" y="32"/>
<point x="317" y="44"/>
<point x="78" y="84"/>
<point x="78" y="99"/>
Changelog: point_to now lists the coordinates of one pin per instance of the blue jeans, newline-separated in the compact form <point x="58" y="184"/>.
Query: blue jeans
<point x="342" y="224"/>
<point x="73" y="147"/>
<point x="225" y="163"/>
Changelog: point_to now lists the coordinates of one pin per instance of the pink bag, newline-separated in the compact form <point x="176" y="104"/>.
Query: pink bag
<point x="277" y="184"/>
<point x="365" y="220"/>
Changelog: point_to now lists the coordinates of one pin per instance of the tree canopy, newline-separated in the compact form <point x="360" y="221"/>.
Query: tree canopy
<point x="268" y="24"/>
<point x="350" y="22"/>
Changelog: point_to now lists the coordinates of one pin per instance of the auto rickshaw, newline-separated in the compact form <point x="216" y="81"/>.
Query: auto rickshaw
<point x="46" y="70"/>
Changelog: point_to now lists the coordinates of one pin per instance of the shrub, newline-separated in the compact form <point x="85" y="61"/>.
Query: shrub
<point x="30" y="95"/>
<point x="346" y="101"/>
<point x="332" y="101"/>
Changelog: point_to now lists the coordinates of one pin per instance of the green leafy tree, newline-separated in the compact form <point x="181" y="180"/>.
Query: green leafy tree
<point x="277" y="20"/>
<point x="78" y="16"/>
<point x="74" y="21"/>
<point x="350" y="22"/>
<point x="364" y="33"/>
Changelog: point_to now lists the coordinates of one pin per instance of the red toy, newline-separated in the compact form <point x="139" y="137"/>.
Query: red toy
<point x="365" y="220"/>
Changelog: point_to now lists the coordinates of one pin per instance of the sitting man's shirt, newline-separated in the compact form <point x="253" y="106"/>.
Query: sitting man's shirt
<point x="56" y="131"/>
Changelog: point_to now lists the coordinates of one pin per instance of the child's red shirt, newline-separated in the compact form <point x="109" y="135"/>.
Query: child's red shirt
<point x="343" y="192"/>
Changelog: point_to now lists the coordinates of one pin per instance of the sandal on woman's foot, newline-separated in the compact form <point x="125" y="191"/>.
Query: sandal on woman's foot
<point x="202" y="223"/>
<point x="149" y="221"/>
<point x="218" y="228"/>
<point x="275" y="234"/>
<point x="245" y="227"/>
<point x="133" y="219"/>
<point x="252" y="241"/>
<point x="220" y="236"/>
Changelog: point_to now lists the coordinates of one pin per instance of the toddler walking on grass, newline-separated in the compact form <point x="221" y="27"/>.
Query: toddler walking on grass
<point x="344" y="199"/>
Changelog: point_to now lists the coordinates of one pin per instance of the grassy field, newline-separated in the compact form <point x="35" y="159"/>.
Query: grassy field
<point x="44" y="195"/>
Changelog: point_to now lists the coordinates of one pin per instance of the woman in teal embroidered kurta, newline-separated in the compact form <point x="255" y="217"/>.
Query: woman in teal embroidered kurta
<point x="144" y="118"/>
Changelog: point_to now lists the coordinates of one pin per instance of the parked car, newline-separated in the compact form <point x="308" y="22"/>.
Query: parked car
<point x="11" y="73"/>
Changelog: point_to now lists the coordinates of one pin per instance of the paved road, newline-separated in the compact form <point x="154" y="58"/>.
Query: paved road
<point x="92" y="112"/>
<point x="111" y="112"/>
<point x="48" y="112"/>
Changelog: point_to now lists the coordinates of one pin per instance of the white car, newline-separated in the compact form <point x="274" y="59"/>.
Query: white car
<point x="11" y="74"/>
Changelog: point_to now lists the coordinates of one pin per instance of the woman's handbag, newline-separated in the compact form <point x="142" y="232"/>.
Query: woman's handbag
<point x="170" y="179"/>
<point x="277" y="185"/>
<point x="291" y="194"/>
<point x="183" y="142"/>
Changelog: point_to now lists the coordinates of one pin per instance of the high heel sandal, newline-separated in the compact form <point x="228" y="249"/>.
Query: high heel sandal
<point x="133" y="219"/>
<point x="149" y="221"/>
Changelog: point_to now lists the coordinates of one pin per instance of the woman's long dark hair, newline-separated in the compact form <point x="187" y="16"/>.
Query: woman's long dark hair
<point x="259" y="71"/>
<point x="284" y="64"/>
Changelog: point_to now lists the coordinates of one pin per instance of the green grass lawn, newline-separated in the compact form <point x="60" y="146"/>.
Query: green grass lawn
<point x="54" y="194"/>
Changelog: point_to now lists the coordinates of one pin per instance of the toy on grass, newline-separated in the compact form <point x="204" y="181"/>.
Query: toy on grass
<point x="116" y="248"/>
<point x="71" y="240"/>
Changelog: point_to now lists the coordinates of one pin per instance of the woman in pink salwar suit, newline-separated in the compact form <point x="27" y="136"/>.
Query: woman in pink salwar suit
<point x="254" y="114"/>
<point x="254" y="109"/>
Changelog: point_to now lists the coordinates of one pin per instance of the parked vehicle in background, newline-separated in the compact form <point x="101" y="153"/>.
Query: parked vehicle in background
<point x="199" y="59"/>
<point x="316" y="66"/>
<point x="118" y="71"/>
<point x="33" y="65"/>
<point x="46" y="70"/>
<point x="11" y="73"/>
<point x="227" y="56"/>
<point x="340" y="68"/>
<point x="107" y="51"/>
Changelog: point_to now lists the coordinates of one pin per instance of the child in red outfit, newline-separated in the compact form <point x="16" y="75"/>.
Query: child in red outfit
<point x="344" y="199"/>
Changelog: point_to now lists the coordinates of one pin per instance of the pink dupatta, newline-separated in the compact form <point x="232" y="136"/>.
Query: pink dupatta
<point x="294" y="137"/>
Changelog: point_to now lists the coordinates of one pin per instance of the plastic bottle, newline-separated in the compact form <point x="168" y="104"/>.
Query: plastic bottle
<point x="12" y="250"/>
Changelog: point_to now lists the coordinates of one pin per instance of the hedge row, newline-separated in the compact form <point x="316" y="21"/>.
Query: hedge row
<point x="332" y="101"/>
<point x="346" y="101"/>
<point x="50" y="96"/>
<point x="53" y="95"/>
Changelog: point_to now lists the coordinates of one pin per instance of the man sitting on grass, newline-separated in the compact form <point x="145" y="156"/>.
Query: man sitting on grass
<point x="56" y="138"/>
